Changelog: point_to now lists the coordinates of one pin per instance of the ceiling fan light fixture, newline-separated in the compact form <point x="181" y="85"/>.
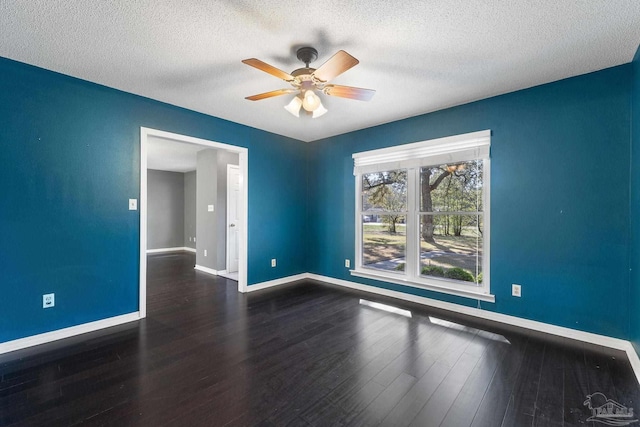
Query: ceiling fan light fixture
<point x="294" y="106"/>
<point x="319" y="112"/>
<point x="306" y="81"/>
<point x="311" y="101"/>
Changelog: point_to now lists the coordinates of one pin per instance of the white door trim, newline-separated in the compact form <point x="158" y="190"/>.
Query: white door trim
<point x="243" y="154"/>
<point x="229" y="167"/>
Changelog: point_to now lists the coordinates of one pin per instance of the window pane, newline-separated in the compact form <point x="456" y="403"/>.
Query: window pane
<point x="385" y="191"/>
<point x="455" y="187"/>
<point x="451" y="247"/>
<point x="384" y="240"/>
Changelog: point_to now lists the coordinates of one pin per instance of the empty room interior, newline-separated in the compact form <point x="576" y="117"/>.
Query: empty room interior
<point x="251" y="213"/>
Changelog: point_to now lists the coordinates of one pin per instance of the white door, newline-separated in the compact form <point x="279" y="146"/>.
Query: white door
<point x="233" y="221"/>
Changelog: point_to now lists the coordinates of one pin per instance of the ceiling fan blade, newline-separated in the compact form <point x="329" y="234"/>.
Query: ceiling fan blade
<point x="336" y="65"/>
<point x="263" y="66"/>
<point x="270" y="94"/>
<point x="349" y="92"/>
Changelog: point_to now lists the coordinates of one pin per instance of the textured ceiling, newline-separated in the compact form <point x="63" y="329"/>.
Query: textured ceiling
<point x="420" y="56"/>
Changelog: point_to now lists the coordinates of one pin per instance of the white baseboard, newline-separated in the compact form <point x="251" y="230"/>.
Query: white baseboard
<point x="46" y="337"/>
<point x="588" y="337"/>
<point x="602" y="340"/>
<point x="277" y="282"/>
<point x="634" y="359"/>
<point x="484" y="314"/>
<point x="206" y="270"/>
<point x="176" y="249"/>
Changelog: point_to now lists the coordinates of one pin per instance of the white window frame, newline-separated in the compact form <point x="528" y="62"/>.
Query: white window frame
<point x="458" y="148"/>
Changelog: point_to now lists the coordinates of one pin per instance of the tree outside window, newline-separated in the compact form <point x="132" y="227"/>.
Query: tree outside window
<point x="451" y="221"/>
<point x="384" y="199"/>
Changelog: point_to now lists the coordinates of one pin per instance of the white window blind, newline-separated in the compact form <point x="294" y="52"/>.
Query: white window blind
<point x="458" y="148"/>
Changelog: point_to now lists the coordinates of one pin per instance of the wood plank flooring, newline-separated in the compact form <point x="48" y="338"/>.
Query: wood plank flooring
<point x="307" y="354"/>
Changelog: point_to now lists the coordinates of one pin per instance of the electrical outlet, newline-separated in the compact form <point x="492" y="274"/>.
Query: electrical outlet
<point x="205" y="252"/>
<point x="516" y="290"/>
<point x="133" y="204"/>
<point x="48" y="300"/>
<point x="194" y="239"/>
<point x="210" y="208"/>
<point x="347" y="263"/>
<point x="273" y="262"/>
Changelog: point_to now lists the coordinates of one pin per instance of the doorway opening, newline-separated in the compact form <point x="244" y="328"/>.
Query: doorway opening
<point x="232" y="220"/>
<point x="211" y="242"/>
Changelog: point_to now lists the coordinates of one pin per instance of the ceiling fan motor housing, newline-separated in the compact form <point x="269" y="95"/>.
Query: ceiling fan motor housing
<point x="307" y="55"/>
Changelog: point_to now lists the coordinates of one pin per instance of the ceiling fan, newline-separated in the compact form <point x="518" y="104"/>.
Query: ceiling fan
<point x="306" y="81"/>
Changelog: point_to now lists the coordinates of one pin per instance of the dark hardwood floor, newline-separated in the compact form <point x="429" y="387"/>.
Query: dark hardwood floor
<point x="304" y="354"/>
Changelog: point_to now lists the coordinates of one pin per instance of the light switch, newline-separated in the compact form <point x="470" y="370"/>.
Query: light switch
<point x="133" y="204"/>
<point x="210" y="208"/>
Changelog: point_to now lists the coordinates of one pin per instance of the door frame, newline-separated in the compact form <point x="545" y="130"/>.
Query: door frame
<point x="229" y="167"/>
<point x="243" y="164"/>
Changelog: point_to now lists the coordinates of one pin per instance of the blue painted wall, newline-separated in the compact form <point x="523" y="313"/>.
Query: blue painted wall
<point x="635" y="207"/>
<point x="561" y="211"/>
<point x="559" y="198"/>
<point x="68" y="164"/>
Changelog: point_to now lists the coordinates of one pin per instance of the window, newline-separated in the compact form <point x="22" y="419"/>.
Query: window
<point x="423" y="214"/>
<point x="384" y="213"/>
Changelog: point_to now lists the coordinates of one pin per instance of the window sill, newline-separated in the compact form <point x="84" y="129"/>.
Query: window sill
<point x="466" y="293"/>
